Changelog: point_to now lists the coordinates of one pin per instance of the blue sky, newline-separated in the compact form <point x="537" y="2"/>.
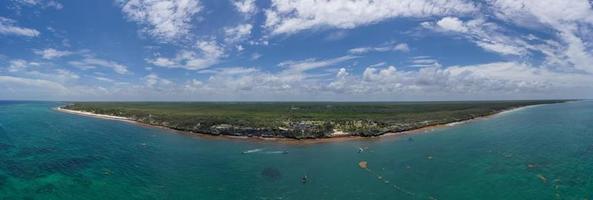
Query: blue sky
<point x="250" y="50"/>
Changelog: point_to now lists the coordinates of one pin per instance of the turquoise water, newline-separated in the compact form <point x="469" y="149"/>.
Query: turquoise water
<point x="542" y="152"/>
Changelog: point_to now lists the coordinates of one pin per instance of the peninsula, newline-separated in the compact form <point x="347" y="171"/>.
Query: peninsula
<point x="298" y="120"/>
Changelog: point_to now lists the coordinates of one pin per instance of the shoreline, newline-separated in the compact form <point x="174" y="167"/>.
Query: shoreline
<point x="339" y="136"/>
<point x="431" y="128"/>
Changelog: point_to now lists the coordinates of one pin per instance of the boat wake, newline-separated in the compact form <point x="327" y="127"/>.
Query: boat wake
<point x="252" y="151"/>
<point x="263" y="152"/>
<point x="275" y="152"/>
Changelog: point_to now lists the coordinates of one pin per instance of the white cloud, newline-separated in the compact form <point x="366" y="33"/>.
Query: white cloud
<point x="525" y="75"/>
<point x="241" y="80"/>
<point x="503" y="78"/>
<point x="402" y="47"/>
<point x="547" y="12"/>
<point x="165" y="19"/>
<point x="42" y="71"/>
<point x="380" y="64"/>
<point x="452" y="24"/>
<point x="51" y="53"/>
<point x="294" y="78"/>
<point x="502" y="48"/>
<point x="236" y="70"/>
<point x="237" y="33"/>
<point x="55" y="75"/>
<point x="570" y="20"/>
<point x="63" y="74"/>
<point x="423" y="61"/>
<point x="91" y="63"/>
<point x="493" y="80"/>
<point x="486" y="35"/>
<point x="42" y="3"/>
<point x="40" y="87"/>
<point x="563" y="39"/>
<point x="342" y="73"/>
<point x="17" y="83"/>
<point x="497" y="80"/>
<point x="210" y="53"/>
<point x="336" y="35"/>
<point x="8" y="27"/>
<point x="569" y="23"/>
<point x="255" y="56"/>
<point x="163" y="62"/>
<point x="246" y="7"/>
<point x="291" y="16"/>
<point x="18" y="65"/>
<point x="310" y="64"/>
<point x="193" y="85"/>
<point x="153" y="80"/>
<point x="104" y="79"/>
<point x="576" y="53"/>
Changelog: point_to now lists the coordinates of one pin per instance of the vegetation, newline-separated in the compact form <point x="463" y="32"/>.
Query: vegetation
<point x="299" y="119"/>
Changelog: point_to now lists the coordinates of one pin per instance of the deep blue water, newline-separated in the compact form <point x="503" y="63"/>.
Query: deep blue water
<point x="542" y="152"/>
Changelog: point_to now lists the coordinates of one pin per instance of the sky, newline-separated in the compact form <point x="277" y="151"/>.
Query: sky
<point x="295" y="50"/>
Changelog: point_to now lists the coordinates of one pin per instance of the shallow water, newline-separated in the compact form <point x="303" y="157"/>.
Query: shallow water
<point x="541" y="152"/>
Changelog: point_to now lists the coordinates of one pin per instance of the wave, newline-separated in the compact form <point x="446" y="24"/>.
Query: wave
<point x="517" y="109"/>
<point x="455" y="123"/>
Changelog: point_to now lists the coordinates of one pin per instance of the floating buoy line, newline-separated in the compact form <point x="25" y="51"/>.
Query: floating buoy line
<point x="365" y="166"/>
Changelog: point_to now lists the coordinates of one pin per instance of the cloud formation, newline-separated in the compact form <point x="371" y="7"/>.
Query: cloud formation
<point x="245" y="7"/>
<point x="292" y="16"/>
<point x="9" y="27"/>
<point x="402" y="47"/>
<point x="90" y="62"/>
<point x="51" y="53"/>
<point x="42" y="3"/>
<point x="237" y="33"/>
<point x="208" y="53"/>
<point x="443" y="50"/>
<point x="164" y="19"/>
<point x="571" y="21"/>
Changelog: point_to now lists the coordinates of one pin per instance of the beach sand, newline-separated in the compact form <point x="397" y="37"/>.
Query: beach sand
<point x="94" y="115"/>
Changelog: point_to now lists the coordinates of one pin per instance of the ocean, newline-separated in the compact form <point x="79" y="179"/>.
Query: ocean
<point x="540" y="152"/>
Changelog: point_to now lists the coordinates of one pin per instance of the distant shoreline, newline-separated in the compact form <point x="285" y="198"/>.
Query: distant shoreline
<point x="337" y="136"/>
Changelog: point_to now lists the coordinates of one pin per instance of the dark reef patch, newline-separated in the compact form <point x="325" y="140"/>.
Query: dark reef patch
<point x="3" y="135"/>
<point x="46" y="189"/>
<point x="4" y="147"/>
<point x="271" y="173"/>
<point x="29" y="151"/>
<point x="3" y="180"/>
<point x="82" y="181"/>
<point x="21" y="170"/>
<point x="31" y="169"/>
<point x="66" y="165"/>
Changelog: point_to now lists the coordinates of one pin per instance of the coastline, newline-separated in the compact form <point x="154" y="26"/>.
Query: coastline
<point x="76" y="112"/>
<point x="337" y="136"/>
<point x="453" y="124"/>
